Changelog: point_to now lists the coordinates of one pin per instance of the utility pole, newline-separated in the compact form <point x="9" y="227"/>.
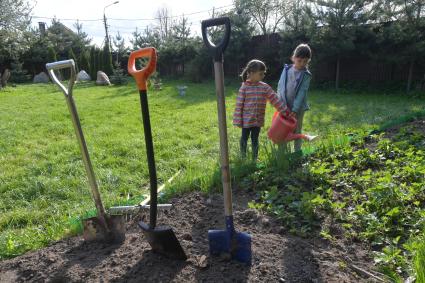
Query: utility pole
<point x="108" y="41"/>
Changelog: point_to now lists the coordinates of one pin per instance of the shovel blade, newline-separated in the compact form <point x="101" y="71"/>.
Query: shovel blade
<point x="236" y="244"/>
<point x="95" y="230"/>
<point x="219" y="242"/>
<point x="163" y="240"/>
<point x="241" y="248"/>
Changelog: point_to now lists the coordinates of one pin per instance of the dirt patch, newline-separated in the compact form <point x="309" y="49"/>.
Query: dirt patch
<point x="277" y="256"/>
<point x="415" y="127"/>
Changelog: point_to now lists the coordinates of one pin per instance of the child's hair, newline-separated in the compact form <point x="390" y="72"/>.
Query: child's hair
<point x="302" y="51"/>
<point x="252" y="67"/>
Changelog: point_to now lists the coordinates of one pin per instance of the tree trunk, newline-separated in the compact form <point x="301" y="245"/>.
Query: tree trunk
<point x="410" y="77"/>
<point x="264" y="29"/>
<point x="338" y="62"/>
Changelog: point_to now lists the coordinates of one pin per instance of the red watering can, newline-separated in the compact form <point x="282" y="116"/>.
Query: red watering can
<point x="282" y="129"/>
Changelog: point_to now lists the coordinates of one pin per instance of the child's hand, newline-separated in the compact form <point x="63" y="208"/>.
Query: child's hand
<point x="293" y="114"/>
<point x="285" y="113"/>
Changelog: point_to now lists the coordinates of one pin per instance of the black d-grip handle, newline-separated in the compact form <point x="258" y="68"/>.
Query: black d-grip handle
<point x="216" y="50"/>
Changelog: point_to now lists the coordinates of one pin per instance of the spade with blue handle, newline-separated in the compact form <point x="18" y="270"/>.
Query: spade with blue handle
<point x="230" y="242"/>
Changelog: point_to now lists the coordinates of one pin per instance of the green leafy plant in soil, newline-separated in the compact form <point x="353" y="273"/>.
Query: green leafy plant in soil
<point x="372" y="188"/>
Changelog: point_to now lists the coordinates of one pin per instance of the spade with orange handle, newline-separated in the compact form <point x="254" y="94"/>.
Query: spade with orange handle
<point x="161" y="238"/>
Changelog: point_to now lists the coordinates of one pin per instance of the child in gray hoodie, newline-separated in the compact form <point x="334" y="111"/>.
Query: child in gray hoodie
<point x="293" y="87"/>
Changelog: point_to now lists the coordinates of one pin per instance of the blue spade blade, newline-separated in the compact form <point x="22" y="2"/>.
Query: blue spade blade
<point x="236" y="244"/>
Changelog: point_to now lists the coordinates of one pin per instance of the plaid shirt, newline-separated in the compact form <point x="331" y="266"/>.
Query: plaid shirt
<point x="251" y="104"/>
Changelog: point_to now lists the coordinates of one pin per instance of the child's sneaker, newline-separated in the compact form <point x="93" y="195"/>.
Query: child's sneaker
<point x="311" y="138"/>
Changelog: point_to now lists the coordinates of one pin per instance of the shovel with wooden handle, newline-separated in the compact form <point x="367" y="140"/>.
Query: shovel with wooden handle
<point x="236" y="244"/>
<point x="102" y="227"/>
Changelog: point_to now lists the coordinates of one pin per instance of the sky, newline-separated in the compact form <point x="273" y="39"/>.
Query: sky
<point x="68" y="11"/>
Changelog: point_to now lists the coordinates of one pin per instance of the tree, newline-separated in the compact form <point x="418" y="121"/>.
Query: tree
<point x="337" y="22"/>
<point x="401" y="33"/>
<point x="84" y="62"/>
<point x="148" y="37"/>
<point x="180" y="42"/>
<point x="412" y="36"/>
<point x="299" y="18"/>
<point x="200" y="66"/>
<point x="107" y="60"/>
<point x="100" y="66"/>
<point x="52" y="57"/>
<point x="181" y="29"/>
<point x="119" y="77"/>
<point x="52" y="54"/>
<point x="62" y="38"/>
<point x="267" y="14"/>
<point x="81" y="40"/>
<point x="58" y="36"/>
<point x="298" y="28"/>
<point x="37" y="55"/>
<point x="120" y="48"/>
<point x="71" y="55"/>
<point x="165" y="23"/>
<point x="14" y="25"/>
<point x="240" y="37"/>
<point x="93" y="63"/>
<point x="18" y="74"/>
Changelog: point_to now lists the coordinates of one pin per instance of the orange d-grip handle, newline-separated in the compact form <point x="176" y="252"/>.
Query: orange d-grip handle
<point x="141" y="76"/>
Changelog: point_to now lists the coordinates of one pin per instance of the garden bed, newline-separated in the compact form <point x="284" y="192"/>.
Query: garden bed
<point x="277" y="256"/>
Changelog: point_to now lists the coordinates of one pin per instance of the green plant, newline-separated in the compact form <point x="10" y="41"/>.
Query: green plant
<point x="84" y="61"/>
<point x="17" y="73"/>
<point x="419" y="258"/>
<point x="107" y="60"/>
<point x="371" y="186"/>
<point x="119" y="77"/>
<point x="93" y="63"/>
<point x="71" y="55"/>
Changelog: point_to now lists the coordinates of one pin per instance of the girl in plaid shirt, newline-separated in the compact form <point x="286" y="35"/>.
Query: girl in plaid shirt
<point x="251" y="105"/>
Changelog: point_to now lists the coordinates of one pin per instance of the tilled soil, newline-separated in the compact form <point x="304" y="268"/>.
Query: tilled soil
<point x="277" y="256"/>
<point x="416" y="125"/>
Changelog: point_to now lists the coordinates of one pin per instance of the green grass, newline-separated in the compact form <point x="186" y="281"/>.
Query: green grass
<point x="420" y="264"/>
<point x="43" y="184"/>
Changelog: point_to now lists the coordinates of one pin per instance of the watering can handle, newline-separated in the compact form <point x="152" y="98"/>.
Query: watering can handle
<point x="287" y="117"/>
<point x="142" y="75"/>
<point x="51" y="67"/>
<point x="216" y="50"/>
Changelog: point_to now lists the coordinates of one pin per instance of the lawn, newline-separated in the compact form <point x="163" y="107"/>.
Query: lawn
<point x="42" y="179"/>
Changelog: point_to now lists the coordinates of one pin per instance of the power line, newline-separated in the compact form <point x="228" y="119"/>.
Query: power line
<point x="191" y="21"/>
<point x="115" y="19"/>
<point x="50" y="18"/>
<point x="177" y="16"/>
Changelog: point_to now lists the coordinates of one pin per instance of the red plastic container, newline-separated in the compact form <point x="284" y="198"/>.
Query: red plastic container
<point x="282" y="129"/>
